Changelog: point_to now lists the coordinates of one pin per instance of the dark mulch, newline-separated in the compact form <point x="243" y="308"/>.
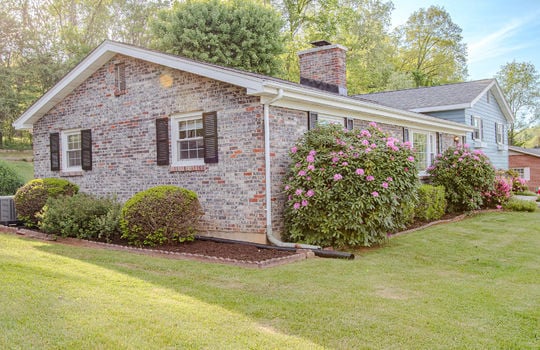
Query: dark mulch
<point x="228" y="250"/>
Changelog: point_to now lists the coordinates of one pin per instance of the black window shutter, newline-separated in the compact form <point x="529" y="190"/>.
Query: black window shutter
<point x="54" y="141"/>
<point x="439" y="143"/>
<point x="162" y="141"/>
<point x="405" y="134"/>
<point x="313" y="117"/>
<point x="210" y="137"/>
<point x="86" y="149"/>
<point x="349" y="123"/>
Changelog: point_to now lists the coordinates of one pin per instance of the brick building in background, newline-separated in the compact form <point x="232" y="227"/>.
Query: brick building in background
<point x="526" y="161"/>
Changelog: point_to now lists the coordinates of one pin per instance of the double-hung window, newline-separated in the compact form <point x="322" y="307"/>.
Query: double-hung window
<point x="477" y="125"/>
<point x="187" y="139"/>
<point x="72" y="147"/>
<point x="499" y="129"/>
<point x="424" y="147"/>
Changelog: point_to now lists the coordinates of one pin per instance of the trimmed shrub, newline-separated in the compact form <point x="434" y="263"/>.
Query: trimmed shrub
<point x="431" y="203"/>
<point x="31" y="198"/>
<point x="515" y="204"/>
<point x="348" y="188"/>
<point x="466" y="175"/>
<point x="160" y="215"/>
<point x="82" y="216"/>
<point x="499" y="195"/>
<point x="10" y="181"/>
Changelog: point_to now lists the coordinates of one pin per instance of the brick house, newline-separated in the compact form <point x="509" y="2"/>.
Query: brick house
<point x="526" y="161"/>
<point x="128" y="118"/>
<point x="480" y="104"/>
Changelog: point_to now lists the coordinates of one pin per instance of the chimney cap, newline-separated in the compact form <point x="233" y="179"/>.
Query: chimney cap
<point x="318" y="43"/>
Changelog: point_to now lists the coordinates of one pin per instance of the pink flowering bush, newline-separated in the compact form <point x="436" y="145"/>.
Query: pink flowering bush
<point x="499" y="195"/>
<point x="466" y="176"/>
<point x="348" y="188"/>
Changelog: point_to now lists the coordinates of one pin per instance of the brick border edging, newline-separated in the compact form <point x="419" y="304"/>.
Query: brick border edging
<point x="301" y="254"/>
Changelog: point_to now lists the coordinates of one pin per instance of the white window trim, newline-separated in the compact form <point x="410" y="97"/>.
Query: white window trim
<point x="479" y="128"/>
<point x="324" y="119"/>
<point x="64" y="148"/>
<point x="526" y="172"/>
<point x="431" y="150"/>
<point x="174" y="139"/>
<point x="500" y="132"/>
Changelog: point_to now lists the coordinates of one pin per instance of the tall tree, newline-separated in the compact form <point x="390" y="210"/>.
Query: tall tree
<point x="520" y="83"/>
<point x="237" y="33"/>
<point x="431" y="48"/>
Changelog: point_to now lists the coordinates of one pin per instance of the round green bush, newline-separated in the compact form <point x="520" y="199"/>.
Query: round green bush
<point x="31" y="198"/>
<point x="466" y="176"/>
<point x="160" y="215"/>
<point x="82" y="216"/>
<point x="10" y="181"/>
<point x="348" y="188"/>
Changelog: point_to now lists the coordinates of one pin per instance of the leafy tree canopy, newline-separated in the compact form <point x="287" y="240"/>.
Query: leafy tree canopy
<point x="239" y="34"/>
<point x="431" y="48"/>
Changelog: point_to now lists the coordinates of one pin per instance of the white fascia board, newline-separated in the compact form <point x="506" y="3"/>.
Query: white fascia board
<point x="302" y="99"/>
<point x="441" y="108"/>
<point x="499" y="96"/>
<point x="64" y="87"/>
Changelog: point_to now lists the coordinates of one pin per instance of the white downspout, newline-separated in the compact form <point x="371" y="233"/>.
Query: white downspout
<point x="268" y="181"/>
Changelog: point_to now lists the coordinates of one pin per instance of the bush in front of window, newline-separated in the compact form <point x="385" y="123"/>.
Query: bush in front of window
<point x="82" y="216"/>
<point x="499" y="195"/>
<point x="431" y="203"/>
<point x="349" y="188"/>
<point x="517" y="183"/>
<point x="9" y="180"/>
<point x="465" y="174"/>
<point x="160" y="215"/>
<point x="32" y="197"/>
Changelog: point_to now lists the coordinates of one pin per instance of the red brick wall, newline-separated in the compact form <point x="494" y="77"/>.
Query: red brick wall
<point x="527" y="161"/>
<point x="326" y="64"/>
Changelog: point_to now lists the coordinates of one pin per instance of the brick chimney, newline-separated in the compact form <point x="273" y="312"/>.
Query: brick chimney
<point x="323" y="67"/>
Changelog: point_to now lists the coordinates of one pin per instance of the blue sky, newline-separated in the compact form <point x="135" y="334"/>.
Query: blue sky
<point x="495" y="31"/>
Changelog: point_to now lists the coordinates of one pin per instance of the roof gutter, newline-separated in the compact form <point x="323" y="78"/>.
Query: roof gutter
<point x="268" y="181"/>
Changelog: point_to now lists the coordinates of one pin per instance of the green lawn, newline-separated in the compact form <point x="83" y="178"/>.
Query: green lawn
<point x="468" y="285"/>
<point x="20" y="161"/>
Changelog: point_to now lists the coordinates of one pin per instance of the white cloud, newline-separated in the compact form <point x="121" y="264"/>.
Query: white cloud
<point x="500" y="42"/>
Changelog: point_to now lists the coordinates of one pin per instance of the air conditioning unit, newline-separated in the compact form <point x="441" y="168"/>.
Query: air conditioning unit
<point x="8" y="216"/>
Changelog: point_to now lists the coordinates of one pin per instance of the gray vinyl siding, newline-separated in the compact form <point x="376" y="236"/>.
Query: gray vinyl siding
<point x="490" y="113"/>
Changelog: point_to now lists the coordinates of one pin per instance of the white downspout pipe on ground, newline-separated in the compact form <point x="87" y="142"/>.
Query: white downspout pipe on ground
<point x="268" y="181"/>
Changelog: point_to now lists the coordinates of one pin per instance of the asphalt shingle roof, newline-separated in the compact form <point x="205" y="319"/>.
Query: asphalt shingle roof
<point x="434" y="96"/>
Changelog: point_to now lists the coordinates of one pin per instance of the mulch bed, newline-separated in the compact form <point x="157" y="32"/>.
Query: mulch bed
<point x="209" y="251"/>
<point x="200" y="250"/>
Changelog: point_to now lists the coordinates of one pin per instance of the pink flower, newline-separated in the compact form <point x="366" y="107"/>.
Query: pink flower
<point x="372" y="124"/>
<point x="302" y="173"/>
<point x="312" y="152"/>
<point x="389" y="179"/>
<point x="311" y="167"/>
<point x="304" y="203"/>
<point x="384" y="185"/>
<point x="370" y="178"/>
<point x="375" y="194"/>
<point x="368" y="150"/>
<point x="410" y="159"/>
<point x="359" y="171"/>
<point x="310" y="158"/>
<point x="294" y="149"/>
<point x="310" y="193"/>
<point x="296" y="205"/>
<point x="338" y="177"/>
<point x="499" y="206"/>
<point x="344" y="163"/>
<point x="335" y="159"/>
<point x="287" y="187"/>
<point x="365" y="142"/>
<point x="365" y="133"/>
<point x="298" y="192"/>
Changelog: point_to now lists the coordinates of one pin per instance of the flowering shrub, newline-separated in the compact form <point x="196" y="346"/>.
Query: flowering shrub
<point x="517" y="183"/>
<point x="499" y="195"/>
<point x="347" y="188"/>
<point x="466" y="175"/>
